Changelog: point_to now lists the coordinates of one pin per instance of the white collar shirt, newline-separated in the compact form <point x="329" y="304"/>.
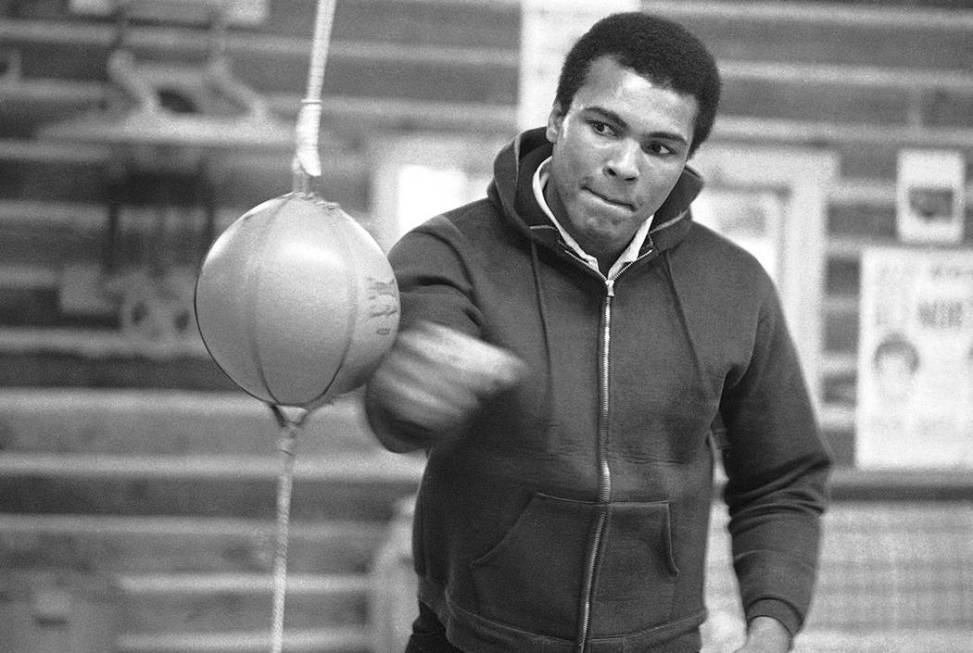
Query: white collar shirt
<point x="629" y="254"/>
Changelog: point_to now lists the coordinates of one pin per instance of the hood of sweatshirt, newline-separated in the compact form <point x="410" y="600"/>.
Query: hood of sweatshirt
<point x="512" y="191"/>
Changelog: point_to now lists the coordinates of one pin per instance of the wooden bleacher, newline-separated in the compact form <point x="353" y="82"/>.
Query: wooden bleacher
<point x="172" y="496"/>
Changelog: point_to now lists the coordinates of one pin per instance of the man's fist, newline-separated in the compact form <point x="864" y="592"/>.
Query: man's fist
<point x="435" y="377"/>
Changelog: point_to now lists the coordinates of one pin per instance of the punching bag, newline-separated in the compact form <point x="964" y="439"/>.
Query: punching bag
<point x="296" y="302"/>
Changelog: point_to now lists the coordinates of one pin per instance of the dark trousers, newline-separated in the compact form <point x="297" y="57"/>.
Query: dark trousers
<point x="428" y="634"/>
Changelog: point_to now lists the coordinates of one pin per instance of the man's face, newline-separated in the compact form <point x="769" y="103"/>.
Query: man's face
<point x="618" y="151"/>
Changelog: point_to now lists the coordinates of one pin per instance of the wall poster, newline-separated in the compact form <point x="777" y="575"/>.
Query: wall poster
<point x="915" y="359"/>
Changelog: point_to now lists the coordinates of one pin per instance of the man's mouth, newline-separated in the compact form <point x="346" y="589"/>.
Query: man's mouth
<point x="619" y="203"/>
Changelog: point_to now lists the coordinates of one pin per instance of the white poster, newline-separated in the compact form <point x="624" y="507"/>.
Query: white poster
<point x="548" y="30"/>
<point x="915" y="361"/>
<point x="930" y="196"/>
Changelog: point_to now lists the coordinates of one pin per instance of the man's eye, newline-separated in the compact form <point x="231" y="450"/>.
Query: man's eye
<point x="659" y="148"/>
<point x="601" y="127"/>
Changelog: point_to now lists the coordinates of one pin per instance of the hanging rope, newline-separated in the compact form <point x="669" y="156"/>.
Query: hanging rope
<point x="306" y="164"/>
<point x="285" y="483"/>
<point x="306" y="161"/>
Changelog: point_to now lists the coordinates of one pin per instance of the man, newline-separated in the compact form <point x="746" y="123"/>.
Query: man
<point x="571" y="348"/>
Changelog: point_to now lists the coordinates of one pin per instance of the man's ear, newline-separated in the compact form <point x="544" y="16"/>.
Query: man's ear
<point x="554" y="122"/>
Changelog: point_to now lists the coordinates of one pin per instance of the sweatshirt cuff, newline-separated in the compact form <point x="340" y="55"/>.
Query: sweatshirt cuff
<point x="778" y="610"/>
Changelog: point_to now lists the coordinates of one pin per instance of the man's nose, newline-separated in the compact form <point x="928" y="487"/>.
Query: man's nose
<point x="623" y="162"/>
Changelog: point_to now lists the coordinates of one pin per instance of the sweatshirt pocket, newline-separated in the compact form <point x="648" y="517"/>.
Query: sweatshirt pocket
<point x="637" y="572"/>
<point x="532" y="578"/>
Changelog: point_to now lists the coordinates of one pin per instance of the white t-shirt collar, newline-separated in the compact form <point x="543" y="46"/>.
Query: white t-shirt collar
<point x="629" y="254"/>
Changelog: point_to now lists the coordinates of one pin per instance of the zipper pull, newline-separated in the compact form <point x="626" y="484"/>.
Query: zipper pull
<point x="610" y="287"/>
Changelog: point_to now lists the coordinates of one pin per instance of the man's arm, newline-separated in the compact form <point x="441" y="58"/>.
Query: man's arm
<point x="777" y="468"/>
<point x="437" y="372"/>
<point x="432" y="380"/>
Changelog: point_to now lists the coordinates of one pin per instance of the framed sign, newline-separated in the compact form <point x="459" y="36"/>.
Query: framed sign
<point x="930" y="196"/>
<point x="915" y="361"/>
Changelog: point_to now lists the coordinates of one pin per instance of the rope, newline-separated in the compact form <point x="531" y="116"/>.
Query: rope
<point x="306" y="160"/>
<point x="306" y="164"/>
<point x="285" y="482"/>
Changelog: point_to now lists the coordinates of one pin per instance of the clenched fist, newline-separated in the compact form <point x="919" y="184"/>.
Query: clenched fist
<point x="435" y="377"/>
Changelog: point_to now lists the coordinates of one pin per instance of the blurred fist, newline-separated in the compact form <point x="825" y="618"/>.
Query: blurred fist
<point x="434" y="377"/>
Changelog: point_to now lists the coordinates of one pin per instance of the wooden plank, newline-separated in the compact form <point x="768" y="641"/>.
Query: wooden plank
<point x="348" y="639"/>
<point x="220" y="602"/>
<point x="826" y="13"/>
<point x="852" y="75"/>
<point x="170" y="422"/>
<point x="247" y="44"/>
<point x="234" y="12"/>
<point x="149" y="368"/>
<point x="95" y="343"/>
<point x="144" y="544"/>
<point x="374" y="467"/>
<point x="934" y="490"/>
<point x="875" y="192"/>
<point x="828" y="33"/>
<point x="410" y="114"/>
<point x="28" y="276"/>
<point x="809" y="101"/>
<point x="191" y="584"/>
<point x="366" y="499"/>
<point x="815" y="132"/>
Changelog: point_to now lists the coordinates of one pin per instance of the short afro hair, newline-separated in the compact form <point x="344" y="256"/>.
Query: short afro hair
<point x="660" y="50"/>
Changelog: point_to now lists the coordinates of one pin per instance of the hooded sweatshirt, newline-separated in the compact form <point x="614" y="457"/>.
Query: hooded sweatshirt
<point x="571" y="513"/>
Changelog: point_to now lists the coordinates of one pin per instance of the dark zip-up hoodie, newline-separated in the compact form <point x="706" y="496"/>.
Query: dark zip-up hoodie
<point x="571" y="514"/>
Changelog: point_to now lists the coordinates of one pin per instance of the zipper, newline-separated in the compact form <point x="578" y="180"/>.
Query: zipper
<point x="604" y="472"/>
